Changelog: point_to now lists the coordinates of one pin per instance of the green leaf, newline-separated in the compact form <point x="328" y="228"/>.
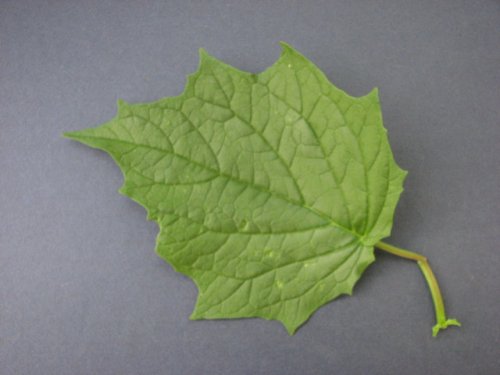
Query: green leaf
<point x="270" y="189"/>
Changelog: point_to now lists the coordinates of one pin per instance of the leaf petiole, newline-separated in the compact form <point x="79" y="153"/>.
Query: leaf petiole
<point x="437" y="298"/>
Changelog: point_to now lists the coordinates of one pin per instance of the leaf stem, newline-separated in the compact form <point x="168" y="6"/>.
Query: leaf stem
<point x="441" y="321"/>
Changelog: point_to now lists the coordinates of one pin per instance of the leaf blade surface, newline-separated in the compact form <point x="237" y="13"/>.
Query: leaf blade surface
<point x="269" y="189"/>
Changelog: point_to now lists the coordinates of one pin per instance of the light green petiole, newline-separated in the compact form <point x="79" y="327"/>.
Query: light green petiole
<point x="442" y="321"/>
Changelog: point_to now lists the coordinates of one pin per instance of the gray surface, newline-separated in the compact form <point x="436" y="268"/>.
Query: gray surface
<point x="81" y="289"/>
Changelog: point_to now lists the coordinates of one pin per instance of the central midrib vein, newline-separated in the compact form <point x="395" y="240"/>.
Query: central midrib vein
<point x="263" y="189"/>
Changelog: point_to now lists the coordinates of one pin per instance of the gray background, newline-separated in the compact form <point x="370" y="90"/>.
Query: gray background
<point x="81" y="289"/>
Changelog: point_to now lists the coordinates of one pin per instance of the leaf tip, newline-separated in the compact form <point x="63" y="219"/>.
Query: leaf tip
<point x="374" y="93"/>
<point x="203" y="54"/>
<point x="291" y="329"/>
<point x="122" y="107"/>
<point x="195" y="316"/>
<point x="123" y="191"/>
<point x="284" y="45"/>
<point x="287" y="48"/>
<point x="204" y="59"/>
<point x="74" y="135"/>
<point x="120" y="103"/>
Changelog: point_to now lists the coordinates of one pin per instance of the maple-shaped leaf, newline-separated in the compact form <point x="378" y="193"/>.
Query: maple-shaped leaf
<point x="270" y="189"/>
